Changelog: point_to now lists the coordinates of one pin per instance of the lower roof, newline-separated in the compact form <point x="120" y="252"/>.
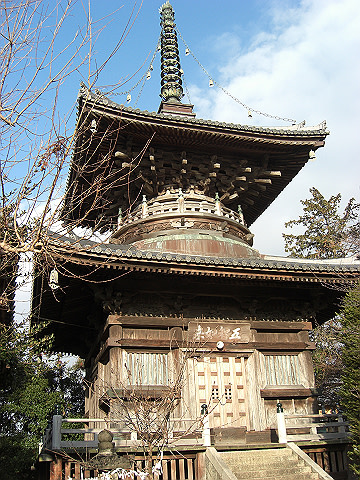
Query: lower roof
<point x="92" y="272"/>
<point x="116" y="256"/>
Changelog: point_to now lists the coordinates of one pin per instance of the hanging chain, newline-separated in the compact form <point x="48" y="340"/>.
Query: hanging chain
<point x="141" y="89"/>
<point x="186" y="88"/>
<point x="143" y="78"/>
<point x="214" y="82"/>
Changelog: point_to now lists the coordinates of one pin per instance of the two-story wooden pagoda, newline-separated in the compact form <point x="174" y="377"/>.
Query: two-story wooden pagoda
<point x="179" y="271"/>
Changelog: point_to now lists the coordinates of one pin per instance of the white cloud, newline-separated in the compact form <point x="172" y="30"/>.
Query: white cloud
<point x="306" y="67"/>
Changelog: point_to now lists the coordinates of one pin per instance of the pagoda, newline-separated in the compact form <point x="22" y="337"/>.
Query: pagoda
<point x="179" y="272"/>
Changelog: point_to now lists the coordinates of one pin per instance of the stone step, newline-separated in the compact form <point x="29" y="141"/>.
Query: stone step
<point x="265" y="456"/>
<point x="257" y="461"/>
<point x="246" y="467"/>
<point x="285" y="471"/>
<point x="270" y="464"/>
<point x="293" y="476"/>
<point x="263" y="451"/>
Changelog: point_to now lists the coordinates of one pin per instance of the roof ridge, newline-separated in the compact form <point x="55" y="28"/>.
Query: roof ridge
<point x="296" y="130"/>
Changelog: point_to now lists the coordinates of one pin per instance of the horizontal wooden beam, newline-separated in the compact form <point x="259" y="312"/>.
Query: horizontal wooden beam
<point x="272" y="173"/>
<point x="285" y="392"/>
<point x="165" y="322"/>
<point x="264" y="325"/>
<point x="263" y="180"/>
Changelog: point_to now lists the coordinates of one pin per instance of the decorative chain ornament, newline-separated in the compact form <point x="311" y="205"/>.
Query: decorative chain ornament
<point x="141" y="81"/>
<point x="213" y="82"/>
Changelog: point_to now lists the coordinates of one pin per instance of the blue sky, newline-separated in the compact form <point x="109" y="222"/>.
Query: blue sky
<point x="216" y="34"/>
<point x="296" y="59"/>
<point x="289" y="58"/>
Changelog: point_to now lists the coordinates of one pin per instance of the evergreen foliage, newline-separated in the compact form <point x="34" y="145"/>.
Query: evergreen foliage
<point x="328" y="233"/>
<point x="350" y="391"/>
<point x="30" y="387"/>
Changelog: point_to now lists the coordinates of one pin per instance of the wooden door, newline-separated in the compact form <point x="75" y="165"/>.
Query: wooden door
<point x="221" y="385"/>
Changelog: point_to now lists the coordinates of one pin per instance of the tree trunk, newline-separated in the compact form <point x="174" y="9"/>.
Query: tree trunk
<point x="148" y="463"/>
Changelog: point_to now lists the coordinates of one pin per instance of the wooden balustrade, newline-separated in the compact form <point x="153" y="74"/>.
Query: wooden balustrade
<point x="123" y="437"/>
<point x="305" y="427"/>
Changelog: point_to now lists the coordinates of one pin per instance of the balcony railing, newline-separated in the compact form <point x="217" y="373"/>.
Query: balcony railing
<point x="172" y="205"/>
<point x="304" y="428"/>
<point x="183" y="431"/>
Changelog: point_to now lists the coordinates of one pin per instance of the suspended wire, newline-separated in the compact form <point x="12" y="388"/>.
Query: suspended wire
<point x="186" y="88"/>
<point x="142" y="79"/>
<point x="214" y="82"/>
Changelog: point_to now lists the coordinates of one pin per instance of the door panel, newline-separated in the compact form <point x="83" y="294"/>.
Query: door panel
<point x="221" y="386"/>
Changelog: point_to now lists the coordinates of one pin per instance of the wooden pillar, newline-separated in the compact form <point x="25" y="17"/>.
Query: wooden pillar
<point x="77" y="471"/>
<point x="56" y="468"/>
<point x="200" y="466"/>
<point x="67" y="469"/>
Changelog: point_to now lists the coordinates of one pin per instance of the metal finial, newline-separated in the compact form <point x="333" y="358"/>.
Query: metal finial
<point x="171" y="83"/>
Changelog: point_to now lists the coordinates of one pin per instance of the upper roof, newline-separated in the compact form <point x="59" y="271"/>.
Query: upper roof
<point x="99" y="100"/>
<point x="127" y="153"/>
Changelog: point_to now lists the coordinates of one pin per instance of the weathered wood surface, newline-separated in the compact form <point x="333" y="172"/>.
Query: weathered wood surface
<point x="232" y="381"/>
<point x="285" y="392"/>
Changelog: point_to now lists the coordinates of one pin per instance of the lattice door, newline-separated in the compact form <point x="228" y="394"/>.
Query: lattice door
<point x="221" y="386"/>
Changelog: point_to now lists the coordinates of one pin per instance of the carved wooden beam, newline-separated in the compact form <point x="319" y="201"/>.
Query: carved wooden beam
<point x="262" y="180"/>
<point x="272" y="173"/>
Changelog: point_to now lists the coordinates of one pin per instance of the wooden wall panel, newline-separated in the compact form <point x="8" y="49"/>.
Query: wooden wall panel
<point x="254" y="382"/>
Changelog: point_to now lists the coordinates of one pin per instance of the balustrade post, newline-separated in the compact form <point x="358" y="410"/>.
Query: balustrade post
<point x="56" y="432"/>
<point x="281" y="423"/>
<point x="341" y="429"/>
<point x="144" y="207"/>
<point x="206" y="426"/>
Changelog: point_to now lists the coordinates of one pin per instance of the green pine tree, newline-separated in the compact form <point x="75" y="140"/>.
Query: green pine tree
<point x="350" y="391"/>
<point x="328" y="233"/>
